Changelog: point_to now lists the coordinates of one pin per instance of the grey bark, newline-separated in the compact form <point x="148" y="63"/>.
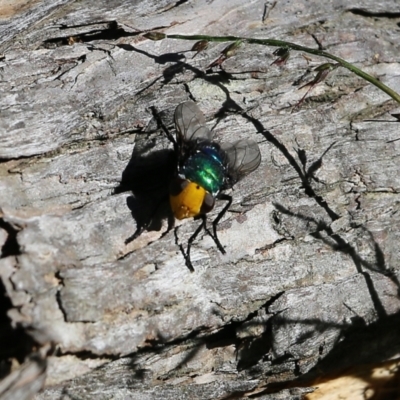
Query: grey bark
<point x="310" y="281"/>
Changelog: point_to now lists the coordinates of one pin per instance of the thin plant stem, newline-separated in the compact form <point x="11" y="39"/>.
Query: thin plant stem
<point x="281" y="43"/>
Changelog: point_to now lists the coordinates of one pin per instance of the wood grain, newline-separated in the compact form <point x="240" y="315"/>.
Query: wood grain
<point x="310" y="281"/>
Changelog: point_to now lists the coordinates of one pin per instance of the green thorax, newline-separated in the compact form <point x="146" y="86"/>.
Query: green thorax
<point x="205" y="167"/>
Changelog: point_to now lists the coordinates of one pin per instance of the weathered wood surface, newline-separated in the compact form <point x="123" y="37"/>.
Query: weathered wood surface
<point x="309" y="283"/>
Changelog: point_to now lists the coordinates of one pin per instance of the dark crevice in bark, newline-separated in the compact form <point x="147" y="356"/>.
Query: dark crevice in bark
<point x="177" y="4"/>
<point x="111" y="31"/>
<point x="58" y="296"/>
<point x="365" y="13"/>
<point x="4" y="160"/>
<point x="11" y="246"/>
<point x="86" y="355"/>
<point x="272" y="301"/>
<point x="274" y="244"/>
<point x="106" y="23"/>
<point x="15" y="342"/>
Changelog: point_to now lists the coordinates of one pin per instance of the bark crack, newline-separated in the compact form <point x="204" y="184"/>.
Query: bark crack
<point x="11" y="246"/>
<point x="370" y="14"/>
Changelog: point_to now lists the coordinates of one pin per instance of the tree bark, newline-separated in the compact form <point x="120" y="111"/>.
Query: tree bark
<point x="309" y="284"/>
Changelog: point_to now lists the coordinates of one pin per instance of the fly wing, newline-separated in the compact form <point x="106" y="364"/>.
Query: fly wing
<point x="243" y="157"/>
<point x="190" y="123"/>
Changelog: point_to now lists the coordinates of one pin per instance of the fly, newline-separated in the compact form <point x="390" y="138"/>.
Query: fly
<point x="205" y="169"/>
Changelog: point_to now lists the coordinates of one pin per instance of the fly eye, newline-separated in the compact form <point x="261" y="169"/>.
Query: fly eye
<point x="177" y="185"/>
<point x="208" y="203"/>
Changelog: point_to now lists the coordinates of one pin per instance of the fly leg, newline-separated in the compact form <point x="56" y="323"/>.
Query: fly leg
<point x="227" y="198"/>
<point x="190" y="241"/>
<point x="137" y="233"/>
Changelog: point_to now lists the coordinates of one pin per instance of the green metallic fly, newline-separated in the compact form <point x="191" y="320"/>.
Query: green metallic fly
<point x="205" y="169"/>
